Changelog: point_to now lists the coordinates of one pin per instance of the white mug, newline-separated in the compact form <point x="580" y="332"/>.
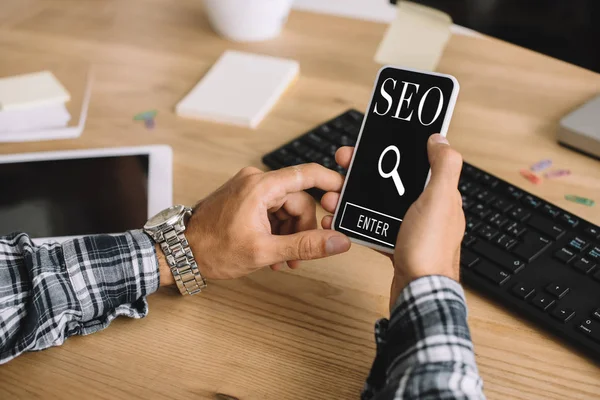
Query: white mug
<point x="248" y="20"/>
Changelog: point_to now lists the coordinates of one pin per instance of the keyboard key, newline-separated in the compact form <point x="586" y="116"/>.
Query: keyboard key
<point x="514" y="193"/>
<point x="272" y="162"/>
<point x="485" y="197"/>
<point x="469" y="169"/>
<point x="505" y="241"/>
<point x="491" y="272"/>
<point x="466" y="202"/>
<point x="593" y="232"/>
<point x="332" y="136"/>
<point x="299" y="147"/>
<point x="312" y="155"/>
<point x="584" y="265"/>
<point x="473" y="172"/>
<point x="550" y="211"/>
<point x="352" y="131"/>
<point x="594" y="254"/>
<point x="468" y="240"/>
<point x="569" y="220"/>
<point x="546" y="226"/>
<point x="320" y="159"/>
<point x="341" y="170"/>
<point x="531" y="201"/>
<point x="597" y="314"/>
<point x="331" y="150"/>
<point x="533" y="244"/>
<point x="565" y="255"/>
<point x="468" y="258"/>
<point x="519" y="214"/>
<point x="327" y="162"/>
<point x="501" y="257"/>
<point x="317" y="141"/>
<point x="523" y="291"/>
<point x="324" y="130"/>
<point x="355" y="115"/>
<point x="487" y="232"/>
<point x="346" y="141"/>
<point x="464" y="183"/>
<point x="281" y="155"/>
<point x="564" y="315"/>
<point x="597" y="275"/>
<point x="502" y="205"/>
<point x="469" y="189"/>
<point x="488" y="180"/>
<point x="472" y="223"/>
<point x="480" y="211"/>
<point x="338" y="123"/>
<point x="542" y="301"/>
<point x="591" y="329"/>
<point x="557" y="290"/>
<point x="578" y="244"/>
<point x="497" y="220"/>
<point x="515" y="229"/>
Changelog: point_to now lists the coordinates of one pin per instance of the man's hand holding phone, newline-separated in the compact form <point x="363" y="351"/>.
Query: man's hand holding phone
<point x="433" y="228"/>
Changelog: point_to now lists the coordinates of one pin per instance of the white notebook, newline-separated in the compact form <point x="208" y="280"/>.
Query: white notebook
<point x="241" y="88"/>
<point x="31" y="90"/>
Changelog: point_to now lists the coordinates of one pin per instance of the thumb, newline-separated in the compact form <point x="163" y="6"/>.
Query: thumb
<point x="446" y="163"/>
<point x="310" y="245"/>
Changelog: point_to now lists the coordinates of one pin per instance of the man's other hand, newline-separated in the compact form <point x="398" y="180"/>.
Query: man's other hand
<point x="260" y="219"/>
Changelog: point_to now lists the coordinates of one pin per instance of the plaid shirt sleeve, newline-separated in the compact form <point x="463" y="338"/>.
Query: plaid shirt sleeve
<point x="51" y="292"/>
<point x="425" y="351"/>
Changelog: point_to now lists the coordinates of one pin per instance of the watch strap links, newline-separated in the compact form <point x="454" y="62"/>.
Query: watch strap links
<point x="180" y="259"/>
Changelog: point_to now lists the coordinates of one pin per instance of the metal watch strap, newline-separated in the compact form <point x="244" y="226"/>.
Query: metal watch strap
<point x="180" y="259"/>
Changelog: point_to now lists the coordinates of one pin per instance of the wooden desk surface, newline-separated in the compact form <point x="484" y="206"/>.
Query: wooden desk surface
<point x="290" y="335"/>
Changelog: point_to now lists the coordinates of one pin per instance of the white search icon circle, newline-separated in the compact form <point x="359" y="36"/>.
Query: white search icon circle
<point x="394" y="172"/>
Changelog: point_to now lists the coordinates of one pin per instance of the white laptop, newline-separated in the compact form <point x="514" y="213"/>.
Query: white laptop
<point x="53" y="196"/>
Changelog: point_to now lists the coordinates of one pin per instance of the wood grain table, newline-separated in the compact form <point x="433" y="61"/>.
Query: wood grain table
<point x="305" y="334"/>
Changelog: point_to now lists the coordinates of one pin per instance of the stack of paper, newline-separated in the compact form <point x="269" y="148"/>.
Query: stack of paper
<point x="34" y="107"/>
<point x="240" y="89"/>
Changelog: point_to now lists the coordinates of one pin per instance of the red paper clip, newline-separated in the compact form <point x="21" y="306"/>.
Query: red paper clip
<point x="530" y="176"/>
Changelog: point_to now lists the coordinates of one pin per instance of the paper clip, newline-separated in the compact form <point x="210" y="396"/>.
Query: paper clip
<point x="143" y="116"/>
<point x="541" y="165"/>
<point x="580" y="200"/>
<point x="557" y="173"/>
<point x="531" y="177"/>
<point x="149" y="123"/>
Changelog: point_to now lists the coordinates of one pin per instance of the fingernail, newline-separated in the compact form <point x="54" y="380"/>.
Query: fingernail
<point x="337" y="245"/>
<point x="437" y="138"/>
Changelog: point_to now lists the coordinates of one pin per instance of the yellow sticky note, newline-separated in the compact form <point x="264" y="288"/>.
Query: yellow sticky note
<point x="416" y="38"/>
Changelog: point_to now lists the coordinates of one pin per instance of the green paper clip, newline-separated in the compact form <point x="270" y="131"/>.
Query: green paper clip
<point x="145" y="115"/>
<point x="580" y="200"/>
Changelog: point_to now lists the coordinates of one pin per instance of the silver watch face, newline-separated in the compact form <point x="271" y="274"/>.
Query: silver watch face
<point x="164" y="216"/>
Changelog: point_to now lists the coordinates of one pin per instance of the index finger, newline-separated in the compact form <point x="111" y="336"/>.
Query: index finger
<point x="305" y="176"/>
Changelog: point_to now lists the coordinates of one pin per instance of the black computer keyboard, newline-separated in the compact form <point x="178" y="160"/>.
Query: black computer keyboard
<point x="526" y="253"/>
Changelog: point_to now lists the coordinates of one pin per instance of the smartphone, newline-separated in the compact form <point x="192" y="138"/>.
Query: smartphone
<point x="390" y="167"/>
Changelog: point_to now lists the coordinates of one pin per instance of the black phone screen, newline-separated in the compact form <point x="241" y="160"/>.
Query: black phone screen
<point x="391" y="167"/>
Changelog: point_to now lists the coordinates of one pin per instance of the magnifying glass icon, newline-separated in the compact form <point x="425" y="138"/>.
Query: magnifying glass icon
<point x="394" y="172"/>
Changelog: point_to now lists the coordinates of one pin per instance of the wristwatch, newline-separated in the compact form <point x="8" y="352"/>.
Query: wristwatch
<point x="167" y="229"/>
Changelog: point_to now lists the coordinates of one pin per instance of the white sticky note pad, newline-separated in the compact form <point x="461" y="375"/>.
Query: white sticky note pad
<point x="416" y="38"/>
<point x="31" y="90"/>
<point x="241" y="88"/>
<point x="28" y="119"/>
